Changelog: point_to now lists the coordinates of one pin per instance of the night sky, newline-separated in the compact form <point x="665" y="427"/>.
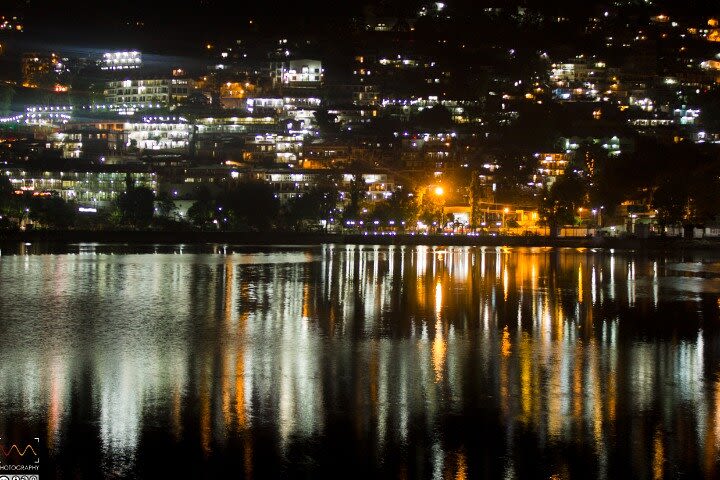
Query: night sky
<point x="171" y="25"/>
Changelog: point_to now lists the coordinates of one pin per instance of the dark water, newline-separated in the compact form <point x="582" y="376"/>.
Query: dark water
<point x="347" y="361"/>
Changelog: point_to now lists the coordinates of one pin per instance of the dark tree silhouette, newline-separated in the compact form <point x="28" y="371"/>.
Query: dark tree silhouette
<point x="137" y="206"/>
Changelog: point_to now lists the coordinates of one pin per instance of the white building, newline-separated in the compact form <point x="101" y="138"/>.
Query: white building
<point x="281" y="149"/>
<point x="159" y="133"/>
<point x="298" y="73"/>
<point x="121" y="61"/>
<point x="148" y="93"/>
<point x="290" y="184"/>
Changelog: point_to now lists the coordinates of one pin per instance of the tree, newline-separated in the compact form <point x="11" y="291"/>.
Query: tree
<point x="166" y="205"/>
<point x="52" y="212"/>
<point x="560" y="202"/>
<point x="437" y="118"/>
<point x="6" y="188"/>
<point x="319" y="203"/>
<point x="356" y="194"/>
<point x="710" y="113"/>
<point x="249" y="205"/>
<point x="326" y="122"/>
<point x="429" y="207"/>
<point x="137" y="206"/>
<point x="399" y="208"/>
<point x="704" y="197"/>
<point x="7" y="202"/>
<point x="615" y="180"/>
<point x="514" y="168"/>
<point x="537" y="127"/>
<point x="11" y="205"/>
<point x="476" y="195"/>
<point x="203" y="213"/>
<point x="7" y="93"/>
<point x="670" y="199"/>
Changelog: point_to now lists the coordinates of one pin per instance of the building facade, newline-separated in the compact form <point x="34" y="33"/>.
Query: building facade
<point x="148" y="93"/>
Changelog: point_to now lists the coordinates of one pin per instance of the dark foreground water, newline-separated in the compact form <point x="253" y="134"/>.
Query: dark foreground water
<point x="348" y="361"/>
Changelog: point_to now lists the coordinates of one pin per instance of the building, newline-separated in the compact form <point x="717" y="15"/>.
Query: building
<point x="613" y="144"/>
<point x="88" y="143"/>
<point x="147" y="93"/>
<point x="273" y="148"/>
<point x="91" y="186"/>
<point x="159" y="133"/>
<point x="289" y="184"/>
<point x="48" y="116"/>
<point x="584" y="79"/>
<point x="550" y="166"/>
<point x="297" y="73"/>
<point x="121" y="61"/>
<point x="43" y="71"/>
<point x="326" y="155"/>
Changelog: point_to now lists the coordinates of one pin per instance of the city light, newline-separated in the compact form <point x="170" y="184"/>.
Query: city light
<point x="451" y="240"/>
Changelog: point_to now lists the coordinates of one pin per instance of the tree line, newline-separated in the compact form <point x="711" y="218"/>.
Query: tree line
<point x="243" y="206"/>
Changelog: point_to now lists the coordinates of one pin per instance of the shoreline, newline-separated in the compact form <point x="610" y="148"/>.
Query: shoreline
<point x="293" y="238"/>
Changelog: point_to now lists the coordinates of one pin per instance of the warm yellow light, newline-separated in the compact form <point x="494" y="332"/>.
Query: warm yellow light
<point x="506" y="210"/>
<point x="439" y="191"/>
<point x="580" y="210"/>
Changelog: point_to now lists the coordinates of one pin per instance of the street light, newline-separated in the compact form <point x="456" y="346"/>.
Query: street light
<point x="439" y="192"/>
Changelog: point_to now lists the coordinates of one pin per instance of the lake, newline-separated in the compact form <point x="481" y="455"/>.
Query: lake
<point x="173" y="361"/>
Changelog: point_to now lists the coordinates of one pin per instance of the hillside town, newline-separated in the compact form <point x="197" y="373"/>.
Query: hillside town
<point x="501" y="120"/>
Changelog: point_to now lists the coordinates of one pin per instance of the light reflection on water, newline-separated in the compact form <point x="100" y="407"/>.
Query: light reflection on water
<point x="387" y="361"/>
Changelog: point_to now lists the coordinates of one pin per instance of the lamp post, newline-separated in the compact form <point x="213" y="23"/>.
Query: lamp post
<point x="439" y="193"/>
<point x="595" y="219"/>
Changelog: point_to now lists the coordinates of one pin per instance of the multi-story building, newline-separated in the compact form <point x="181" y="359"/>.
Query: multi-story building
<point x="430" y="152"/>
<point x="88" y="143"/>
<point x="273" y="148"/>
<point x="584" y="79"/>
<point x="121" y="61"/>
<point x="366" y="95"/>
<point x="326" y="154"/>
<point x="225" y="138"/>
<point x="550" y="166"/>
<point x="290" y="184"/>
<point x="90" y="186"/>
<point x="147" y="93"/>
<point x="297" y="73"/>
<point x="159" y="133"/>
